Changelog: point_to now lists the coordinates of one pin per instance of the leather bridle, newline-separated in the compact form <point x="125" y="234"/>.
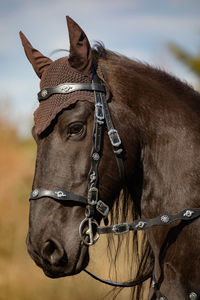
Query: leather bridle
<point x="89" y="228"/>
<point x="92" y="202"/>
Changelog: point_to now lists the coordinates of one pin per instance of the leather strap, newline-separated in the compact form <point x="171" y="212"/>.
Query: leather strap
<point x="142" y="224"/>
<point x="112" y="132"/>
<point x="67" y="88"/>
<point x="120" y="284"/>
<point x="60" y="195"/>
<point x="101" y="115"/>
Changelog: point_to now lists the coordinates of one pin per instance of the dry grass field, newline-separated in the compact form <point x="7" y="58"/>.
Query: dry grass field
<point x="20" y="278"/>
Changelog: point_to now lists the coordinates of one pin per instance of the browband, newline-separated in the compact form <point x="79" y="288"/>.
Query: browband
<point x="67" y="88"/>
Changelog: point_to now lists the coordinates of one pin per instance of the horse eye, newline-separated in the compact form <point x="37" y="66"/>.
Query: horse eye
<point x="75" y="129"/>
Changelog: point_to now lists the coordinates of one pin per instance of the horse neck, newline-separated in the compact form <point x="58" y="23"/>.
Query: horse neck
<point x="166" y="118"/>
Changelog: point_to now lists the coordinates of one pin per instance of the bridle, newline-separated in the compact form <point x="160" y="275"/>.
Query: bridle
<point x="89" y="228"/>
<point x="92" y="202"/>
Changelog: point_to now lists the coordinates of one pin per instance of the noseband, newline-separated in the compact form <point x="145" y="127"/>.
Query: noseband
<point x="89" y="228"/>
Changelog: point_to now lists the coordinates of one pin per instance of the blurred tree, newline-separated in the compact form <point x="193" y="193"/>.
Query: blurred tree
<point x="188" y="59"/>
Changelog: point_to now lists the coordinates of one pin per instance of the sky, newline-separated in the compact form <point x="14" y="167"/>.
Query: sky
<point x="139" y="29"/>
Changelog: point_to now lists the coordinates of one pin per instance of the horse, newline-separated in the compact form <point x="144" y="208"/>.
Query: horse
<point x="113" y="130"/>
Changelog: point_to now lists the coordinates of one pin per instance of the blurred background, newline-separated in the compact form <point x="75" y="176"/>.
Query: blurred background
<point x="165" y="34"/>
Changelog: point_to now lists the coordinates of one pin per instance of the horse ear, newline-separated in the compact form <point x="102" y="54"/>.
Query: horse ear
<point x="39" y="62"/>
<point x="80" y="56"/>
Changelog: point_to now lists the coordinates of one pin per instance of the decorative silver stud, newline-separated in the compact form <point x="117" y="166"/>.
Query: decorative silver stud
<point x="44" y="93"/>
<point x="92" y="177"/>
<point x="35" y="193"/>
<point x="188" y="213"/>
<point x="66" y="88"/>
<point x="193" y="296"/>
<point x="95" y="156"/>
<point x="164" y="218"/>
<point x="140" y="224"/>
<point x="60" y="194"/>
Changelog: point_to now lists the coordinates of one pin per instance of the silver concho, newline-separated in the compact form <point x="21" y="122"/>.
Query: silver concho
<point x="193" y="296"/>
<point x="95" y="156"/>
<point x="44" y="93"/>
<point x="92" y="177"/>
<point x="140" y="224"/>
<point x="35" y="193"/>
<point x="66" y="88"/>
<point x="60" y="194"/>
<point x="164" y="218"/>
<point x="188" y="213"/>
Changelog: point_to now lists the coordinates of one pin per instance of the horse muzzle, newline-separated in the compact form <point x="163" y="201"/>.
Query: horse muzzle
<point x="56" y="260"/>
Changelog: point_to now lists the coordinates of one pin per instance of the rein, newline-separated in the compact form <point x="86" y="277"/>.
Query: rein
<point x="89" y="228"/>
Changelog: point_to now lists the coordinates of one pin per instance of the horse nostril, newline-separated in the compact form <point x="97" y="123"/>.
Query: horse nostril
<point x="53" y="252"/>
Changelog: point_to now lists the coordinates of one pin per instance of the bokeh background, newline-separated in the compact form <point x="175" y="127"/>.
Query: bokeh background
<point x="163" y="33"/>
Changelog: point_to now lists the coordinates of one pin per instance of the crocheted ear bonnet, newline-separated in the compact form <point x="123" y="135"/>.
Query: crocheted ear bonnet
<point x="57" y="73"/>
<point x="73" y="69"/>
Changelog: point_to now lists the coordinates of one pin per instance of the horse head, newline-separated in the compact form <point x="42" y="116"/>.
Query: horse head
<point x="67" y="158"/>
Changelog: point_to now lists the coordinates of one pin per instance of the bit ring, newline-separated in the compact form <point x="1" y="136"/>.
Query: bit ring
<point x="89" y="233"/>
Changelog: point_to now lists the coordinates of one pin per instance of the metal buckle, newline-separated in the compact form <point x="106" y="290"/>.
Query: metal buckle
<point x="102" y="208"/>
<point x="114" y="137"/>
<point x="93" y="196"/>
<point x="121" y="228"/>
<point x="88" y="238"/>
<point x="99" y="111"/>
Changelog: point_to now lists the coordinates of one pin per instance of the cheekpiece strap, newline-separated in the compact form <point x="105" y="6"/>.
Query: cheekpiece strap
<point x="67" y="88"/>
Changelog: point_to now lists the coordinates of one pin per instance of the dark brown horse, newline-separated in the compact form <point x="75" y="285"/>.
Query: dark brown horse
<point x="158" y="120"/>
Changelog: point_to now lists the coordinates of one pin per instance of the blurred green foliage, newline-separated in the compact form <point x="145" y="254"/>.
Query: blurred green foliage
<point x="191" y="61"/>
